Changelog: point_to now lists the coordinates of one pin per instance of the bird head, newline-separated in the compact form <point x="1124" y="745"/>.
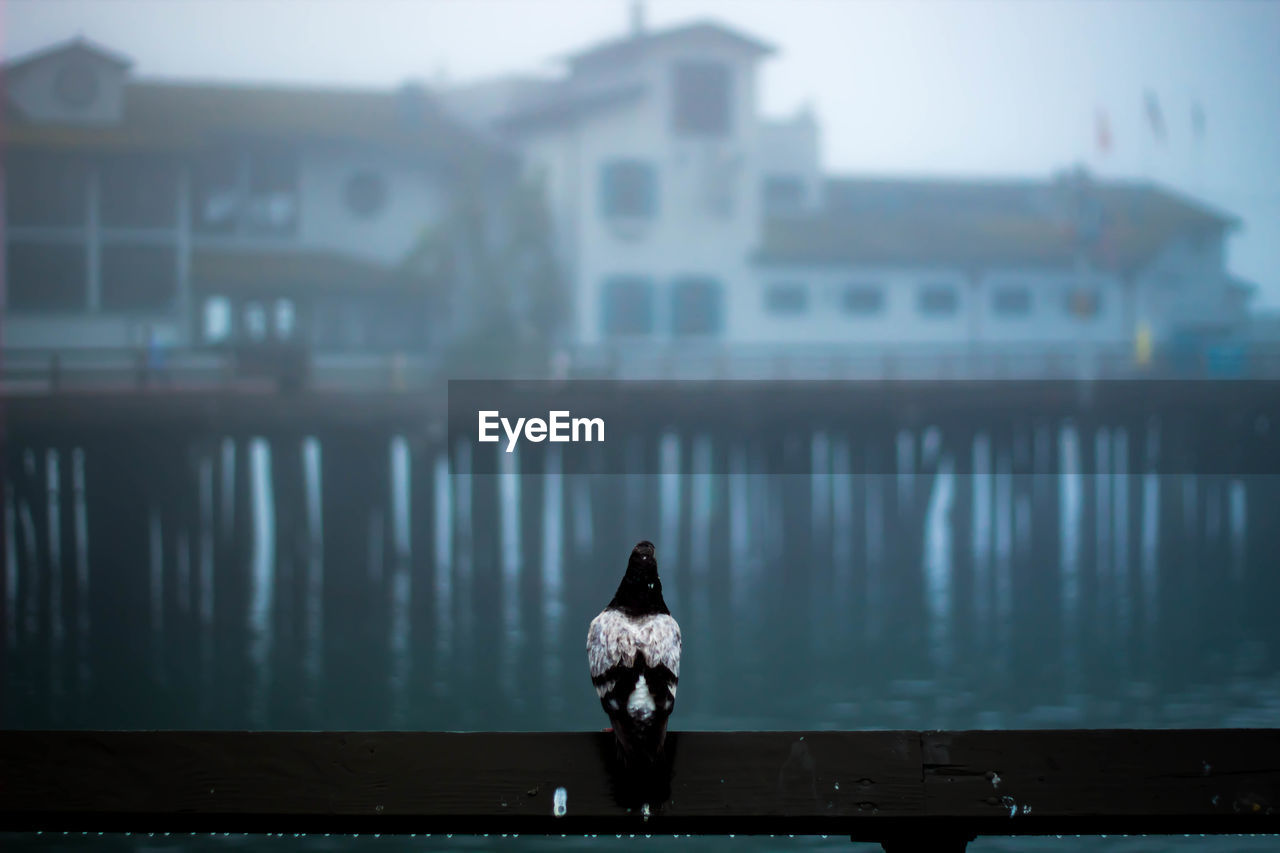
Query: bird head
<point x="642" y="554"/>
<point x="641" y="590"/>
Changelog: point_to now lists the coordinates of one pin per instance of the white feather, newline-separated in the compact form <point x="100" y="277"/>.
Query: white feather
<point x="640" y="703"/>
<point x="614" y="638"/>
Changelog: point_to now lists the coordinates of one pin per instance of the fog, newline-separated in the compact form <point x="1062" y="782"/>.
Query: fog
<point x="938" y="88"/>
<point x="1005" y="276"/>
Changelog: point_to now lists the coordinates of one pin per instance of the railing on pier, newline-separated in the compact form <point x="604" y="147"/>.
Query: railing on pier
<point x="271" y="366"/>
<point x="907" y="790"/>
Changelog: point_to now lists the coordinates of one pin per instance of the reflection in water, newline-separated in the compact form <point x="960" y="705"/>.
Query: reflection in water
<point x="261" y="580"/>
<point x="967" y="588"/>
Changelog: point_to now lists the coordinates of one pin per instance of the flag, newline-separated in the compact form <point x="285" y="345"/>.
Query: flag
<point x="1155" y="118"/>
<point x="1103" y="124"/>
<point x="1197" y="120"/>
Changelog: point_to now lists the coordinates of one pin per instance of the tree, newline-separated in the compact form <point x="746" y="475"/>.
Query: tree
<point x="493" y="253"/>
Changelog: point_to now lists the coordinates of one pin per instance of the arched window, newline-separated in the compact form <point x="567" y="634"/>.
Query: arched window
<point x="217" y="319"/>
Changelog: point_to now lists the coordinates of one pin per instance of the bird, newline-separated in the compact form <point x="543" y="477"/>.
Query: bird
<point x="633" y="650"/>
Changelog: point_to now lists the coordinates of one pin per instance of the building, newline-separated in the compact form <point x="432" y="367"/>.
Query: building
<point x="195" y="215"/>
<point x="698" y="237"/>
<point x="701" y="237"/>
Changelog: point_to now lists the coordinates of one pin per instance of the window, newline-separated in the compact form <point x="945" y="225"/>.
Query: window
<point x="628" y="188"/>
<point x="138" y="278"/>
<point x="139" y="192"/>
<point x="696" y="307"/>
<point x="700" y="101"/>
<point x="46" y="277"/>
<point x="628" y="306"/>
<point x="1083" y="302"/>
<point x="1011" y="301"/>
<point x="272" y="206"/>
<point x="286" y="319"/>
<point x="365" y="193"/>
<point x="255" y="321"/>
<point x="217" y="319"/>
<point x="783" y="194"/>
<point x="215" y="185"/>
<point x="255" y="193"/>
<point x="862" y="299"/>
<point x="786" y="298"/>
<point x="46" y="191"/>
<point x="937" y="300"/>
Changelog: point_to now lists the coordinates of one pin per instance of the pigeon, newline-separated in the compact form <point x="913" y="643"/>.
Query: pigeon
<point x="633" y="649"/>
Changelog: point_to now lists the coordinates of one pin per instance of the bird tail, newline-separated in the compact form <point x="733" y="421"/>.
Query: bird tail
<point x="641" y="745"/>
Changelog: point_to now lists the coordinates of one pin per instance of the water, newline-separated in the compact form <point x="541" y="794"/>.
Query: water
<point x="336" y="584"/>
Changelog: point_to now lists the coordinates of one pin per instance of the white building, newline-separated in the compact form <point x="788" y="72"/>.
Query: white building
<point x="698" y="237"/>
<point x="695" y="229"/>
<point x="197" y="214"/>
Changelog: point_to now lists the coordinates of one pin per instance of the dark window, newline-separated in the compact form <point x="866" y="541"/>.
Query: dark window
<point x="696" y="307"/>
<point x="783" y="194"/>
<point x="254" y="316"/>
<point x="46" y="277"/>
<point x="701" y="99"/>
<point x="628" y="306"/>
<point x="1011" y="301"/>
<point x="139" y="192"/>
<point x="138" y="278"/>
<point x="862" y="299"/>
<point x="1083" y="302"/>
<point x="215" y="193"/>
<point x="937" y="300"/>
<point x="272" y="206"/>
<point x="45" y="190"/>
<point x="628" y="188"/>
<point x="365" y="193"/>
<point x="786" y="298"/>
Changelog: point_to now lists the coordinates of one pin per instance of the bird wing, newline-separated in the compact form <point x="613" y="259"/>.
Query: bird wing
<point x="660" y="641"/>
<point x="620" y="651"/>
<point x="610" y="643"/>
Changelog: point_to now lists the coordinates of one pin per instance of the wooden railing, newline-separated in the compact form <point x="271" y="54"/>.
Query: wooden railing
<point x="25" y="370"/>
<point x="907" y="790"/>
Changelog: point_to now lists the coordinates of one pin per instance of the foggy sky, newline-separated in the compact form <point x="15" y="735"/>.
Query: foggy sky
<point x="944" y="87"/>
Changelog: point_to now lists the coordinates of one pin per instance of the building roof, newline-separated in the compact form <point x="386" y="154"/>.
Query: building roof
<point x="79" y="44"/>
<point x="633" y="45"/>
<point x="974" y="223"/>
<point x="179" y="115"/>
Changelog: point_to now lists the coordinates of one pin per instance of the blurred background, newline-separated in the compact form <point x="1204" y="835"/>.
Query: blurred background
<point x="247" y="243"/>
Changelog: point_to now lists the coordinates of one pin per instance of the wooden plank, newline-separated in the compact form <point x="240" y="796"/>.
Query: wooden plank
<point x="1101" y="782"/>
<point x="889" y="786"/>
<point x="784" y="782"/>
